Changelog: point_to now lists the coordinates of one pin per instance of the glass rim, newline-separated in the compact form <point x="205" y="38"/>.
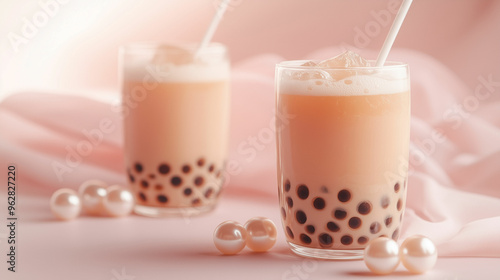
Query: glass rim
<point x="297" y="65"/>
<point x="211" y="48"/>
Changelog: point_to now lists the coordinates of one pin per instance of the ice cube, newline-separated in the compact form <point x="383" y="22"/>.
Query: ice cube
<point x="170" y="54"/>
<point x="310" y="63"/>
<point x="345" y="60"/>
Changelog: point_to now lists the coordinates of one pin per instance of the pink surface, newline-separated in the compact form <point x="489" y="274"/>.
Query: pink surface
<point x="452" y="193"/>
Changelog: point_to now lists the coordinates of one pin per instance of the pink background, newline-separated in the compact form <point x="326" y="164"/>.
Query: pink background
<point x="454" y="197"/>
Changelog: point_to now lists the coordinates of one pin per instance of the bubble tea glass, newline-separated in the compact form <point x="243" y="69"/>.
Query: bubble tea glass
<point x="342" y="155"/>
<point x="176" y="121"/>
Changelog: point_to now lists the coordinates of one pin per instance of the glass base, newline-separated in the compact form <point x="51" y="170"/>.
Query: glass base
<point x="327" y="254"/>
<point x="161" y="212"/>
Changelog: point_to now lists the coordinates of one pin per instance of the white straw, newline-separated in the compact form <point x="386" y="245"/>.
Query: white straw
<point x="396" y="25"/>
<point x="213" y="26"/>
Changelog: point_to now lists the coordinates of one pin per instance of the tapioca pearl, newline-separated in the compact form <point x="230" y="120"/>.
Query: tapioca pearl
<point x="287" y="186"/>
<point x="289" y="202"/>
<point x="211" y="168"/>
<point x="344" y="195"/>
<point x="388" y="221"/>
<point x="152" y="176"/>
<point x="305" y="239"/>
<point x="346" y="240"/>
<point x="201" y="162"/>
<point x="332" y="226"/>
<point x="209" y="192"/>
<point x="397" y="187"/>
<point x="162" y="199"/>
<point x="310" y="229"/>
<point x="362" y="240"/>
<point x="319" y="203"/>
<point x="142" y="197"/>
<point x="354" y="222"/>
<point x="395" y="234"/>
<point x="289" y="232"/>
<point x="325" y="240"/>
<point x="131" y="178"/>
<point x="375" y="227"/>
<point x="144" y="184"/>
<point x="186" y="168"/>
<point x="159" y="187"/>
<point x="364" y="207"/>
<point x="283" y="213"/>
<point x="188" y="191"/>
<point x="385" y="201"/>
<point x="196" y="201"/>
<point x="138" y="167"/>
<point x="340" y="213"/>
<point x="324" y="189"/>
<point x="163" y="168"/>
<point x="303" y="192"/>
<point x="399" y="205"/>
<point x="176" y="181"/>
<point x="301" y="217"/>
<point x="198" y="181"/>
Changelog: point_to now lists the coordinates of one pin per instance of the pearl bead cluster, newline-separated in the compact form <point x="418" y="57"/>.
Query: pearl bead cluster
<point x="417" y="253"/>
<point x="258" y="234"/>
<point x="95" y="198"/>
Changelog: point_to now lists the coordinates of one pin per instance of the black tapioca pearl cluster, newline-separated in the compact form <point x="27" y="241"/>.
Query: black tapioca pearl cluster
<point x="166" y="177"/>
<point x="353" y="221"/>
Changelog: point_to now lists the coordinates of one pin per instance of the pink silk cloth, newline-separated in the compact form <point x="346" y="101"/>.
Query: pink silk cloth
<point x="454" y="183"/>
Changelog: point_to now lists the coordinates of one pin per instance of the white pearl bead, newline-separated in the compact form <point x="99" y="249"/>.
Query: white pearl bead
<point x="92" y="194"/>
<point x="230" y="237"/>
<point x="118" y="202"/>
<point x="65" y="204"/>
<point x="382" y="255"/>
<point x="261" y="234"/>
<point x="418" y="254"/>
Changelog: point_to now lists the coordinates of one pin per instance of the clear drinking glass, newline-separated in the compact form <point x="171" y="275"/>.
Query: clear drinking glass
<point x="176" y="120"/>
<point x="342" y="155"/>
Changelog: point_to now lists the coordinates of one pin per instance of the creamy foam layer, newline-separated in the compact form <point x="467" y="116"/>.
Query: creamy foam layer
<point x="176" y="63"/>
<point x="171" y="73"/>
<point x="354" y="85"/>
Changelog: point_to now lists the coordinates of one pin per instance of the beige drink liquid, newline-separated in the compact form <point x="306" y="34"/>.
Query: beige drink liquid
<point x="176" y="137"/>
<point x="343" y="158"/>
